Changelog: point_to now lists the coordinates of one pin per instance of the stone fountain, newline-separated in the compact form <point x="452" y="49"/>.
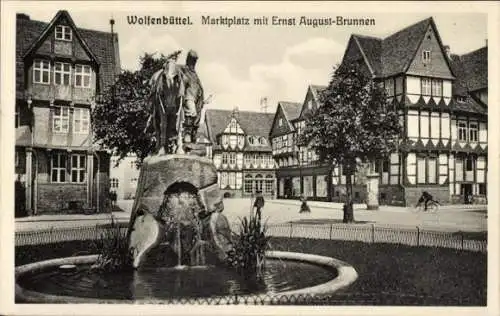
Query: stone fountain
<point x="177" y="235"/>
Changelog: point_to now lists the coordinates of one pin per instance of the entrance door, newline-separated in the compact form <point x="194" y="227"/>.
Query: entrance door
<point x="288" y="188"/>
<point x="466" y="189"/>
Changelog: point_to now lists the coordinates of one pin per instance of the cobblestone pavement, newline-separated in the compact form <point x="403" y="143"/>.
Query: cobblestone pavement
<point x="448" y="218"/>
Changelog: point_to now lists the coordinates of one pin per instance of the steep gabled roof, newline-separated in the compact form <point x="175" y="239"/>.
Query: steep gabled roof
<point x="370" y="48"/>
<point x="252" y="123"/>
<point x="291" y="109"/>
<point x="103" y="45"/>
<point x="394" y="54"/>
<point x="316" y="91"/>
<point x="399" y="49"/>
<point x="49" y="27"/>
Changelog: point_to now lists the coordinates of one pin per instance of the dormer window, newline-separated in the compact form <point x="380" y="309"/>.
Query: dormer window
<point x="461" y="99"/>
<point x="280" y="122"/>
<point x="426" y="56"/>
<point x="64" y="33"/>
<point x="309" y="104"/>
<point x="262" y="141"/>
<point x="251" y="140"/>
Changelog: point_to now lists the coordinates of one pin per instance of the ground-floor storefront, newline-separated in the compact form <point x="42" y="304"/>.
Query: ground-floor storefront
<point x="317" y="183"/>
<point x="245" y="183"/>
<point x="50" y="180"/>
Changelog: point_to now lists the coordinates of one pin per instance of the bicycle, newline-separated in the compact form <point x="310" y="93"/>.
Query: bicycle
<point x="432" y="207"/>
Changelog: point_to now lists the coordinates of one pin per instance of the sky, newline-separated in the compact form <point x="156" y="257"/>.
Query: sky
<point x="242" y="64"/>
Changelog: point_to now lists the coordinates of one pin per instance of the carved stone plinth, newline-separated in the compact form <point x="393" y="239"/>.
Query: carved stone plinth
<point x="178" y="203"/>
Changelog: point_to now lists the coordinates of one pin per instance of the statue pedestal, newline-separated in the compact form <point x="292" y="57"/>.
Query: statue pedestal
<point x="172" y="192"/>
<point x="372" y="190"/>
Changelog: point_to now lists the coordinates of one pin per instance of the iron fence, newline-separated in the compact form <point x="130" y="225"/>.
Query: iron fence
<point x="369" y="233"/>
<point x="346" y="298"/>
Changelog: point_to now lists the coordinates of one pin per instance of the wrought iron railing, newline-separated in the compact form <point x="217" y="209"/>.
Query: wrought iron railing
<point x="369" y="233"/>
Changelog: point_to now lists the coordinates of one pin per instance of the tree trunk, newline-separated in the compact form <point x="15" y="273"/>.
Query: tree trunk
<point x="348" y="207"/>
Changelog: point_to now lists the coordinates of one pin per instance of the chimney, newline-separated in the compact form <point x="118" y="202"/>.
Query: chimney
<point x="22" y="16"/>
<point x="447" y="51"/>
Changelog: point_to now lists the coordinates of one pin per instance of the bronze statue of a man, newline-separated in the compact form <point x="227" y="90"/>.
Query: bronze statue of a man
<point x="192" y="98"/>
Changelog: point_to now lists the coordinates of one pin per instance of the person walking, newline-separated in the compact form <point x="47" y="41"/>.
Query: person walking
<point x="258" y="204"/>
<point x="304" y="208"/>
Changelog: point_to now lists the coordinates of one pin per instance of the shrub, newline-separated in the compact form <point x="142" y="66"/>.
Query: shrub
<point x="250" y="245"/>
<point x="113" y="249"/>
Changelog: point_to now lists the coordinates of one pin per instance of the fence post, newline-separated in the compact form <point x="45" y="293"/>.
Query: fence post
<point x="373" y="233"/>
<point x="331" y="230"/>
<point x="418" y="236"/>
<point x="291" y="229"/>
<point x="462" y="239"/>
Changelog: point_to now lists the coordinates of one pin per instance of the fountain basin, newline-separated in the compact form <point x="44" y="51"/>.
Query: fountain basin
<point x="341" y="275"/>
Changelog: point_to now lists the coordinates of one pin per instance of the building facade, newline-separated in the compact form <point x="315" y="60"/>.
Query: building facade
<point x="441" y="100"/>
<point x="123" y="177"/>
<point x="238" y="143"/>
<point x="60" y="69"/>
<point x="298" y="170"/>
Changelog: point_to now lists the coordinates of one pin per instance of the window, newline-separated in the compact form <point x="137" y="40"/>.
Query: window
<point x="251" y="140"/>
<point x="461" y="99"/>
<point x="258" y="182"/>
<point x="426" y="56"/>
<point x="241" y="141"/>
<point x="232" y="180"/>
<point x="469" y="164"/>
<point x="482" y="188"/>
<point x="262" y="141"/>
<point x="421" y="170"/>
<point x="17" y="159"/>
<point x="280" y="122"/>
<point x="389" y="87"/>
<point x="62" y="74"/>
<point x="58" y="168"/>
<point x="247" y="184"/>
<point x="114" y="182"/>
<point x="385" y="166"/>
<point x="133" y="181"/>
<point x="63" y="33"/>
<point x="309" y="104"/>
<point x="462" y="131"/>
<point x="17" y="118"/>
<point x="431" y="170"/>
<point x="263" y="159"/>
<point x="41" y="71"/>
<point x="82" y="76"/>
<point x="224" y="158"/>
<point x="223" y="180"/>
<point x="225" y="140"/>
<point x="269" y="184"/>
<point x="132" y="165"/>
<point x="255" y="159"/>
<point x="232" y="158"/>
<point x="78" y="168"/>
<point x="233" y="140"/>
<point x="437" y="89"/>
<point x="81" y="121"/>
<point x="426" y="86"/>
<point x="233" y="124"/>
<point x="473" y="132"/>
<point x="61" y="119"/>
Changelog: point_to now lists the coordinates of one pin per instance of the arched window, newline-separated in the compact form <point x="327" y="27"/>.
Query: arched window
<point x="248" y="183"/>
